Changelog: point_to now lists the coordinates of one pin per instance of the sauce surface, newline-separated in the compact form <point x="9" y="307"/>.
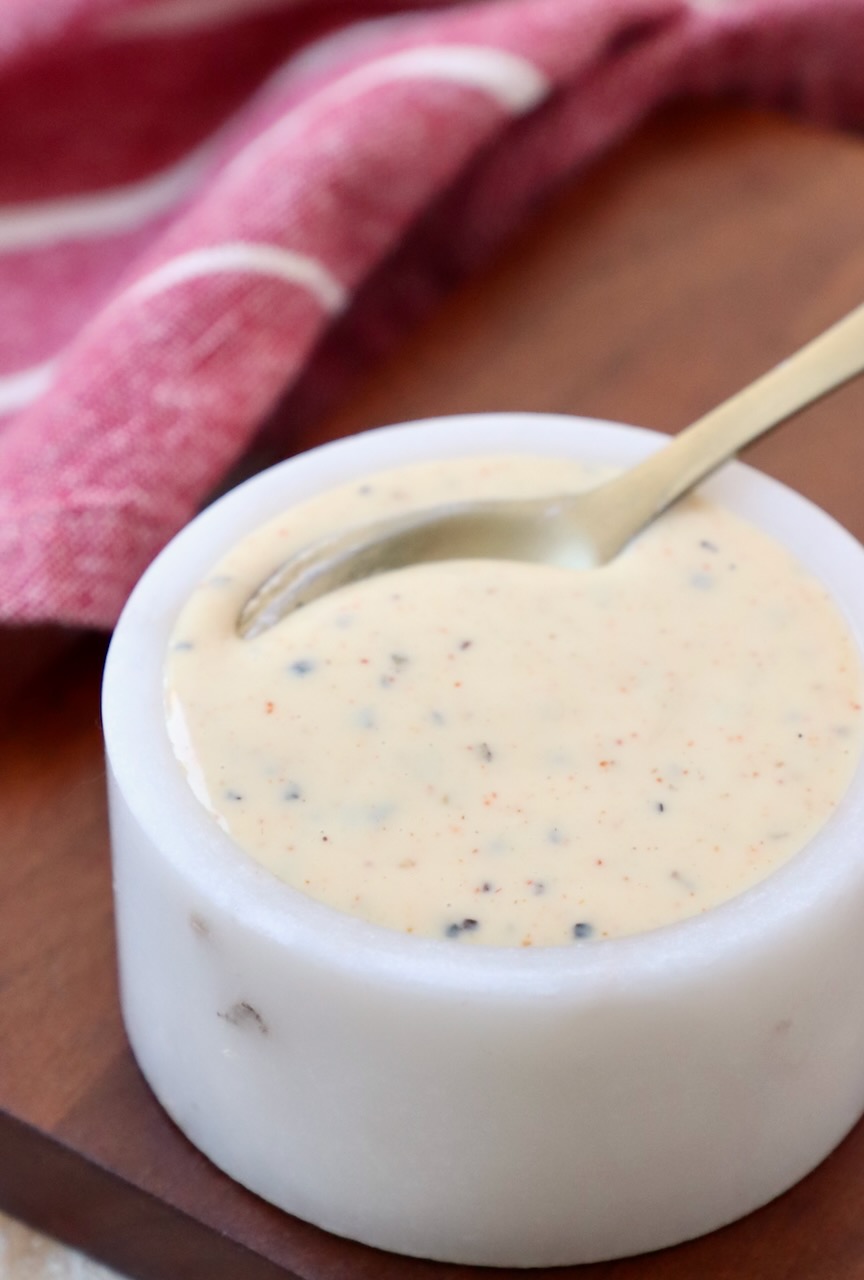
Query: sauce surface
<point x="518" y="754"/>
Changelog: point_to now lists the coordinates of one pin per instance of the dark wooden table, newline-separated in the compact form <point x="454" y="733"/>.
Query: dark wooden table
<point x="705" y="249"/>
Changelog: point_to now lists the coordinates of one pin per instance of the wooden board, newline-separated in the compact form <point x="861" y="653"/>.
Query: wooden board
<point x="704" y="250"/>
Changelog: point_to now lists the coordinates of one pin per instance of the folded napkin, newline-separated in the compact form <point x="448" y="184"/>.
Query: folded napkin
<point x="191" y="191"/>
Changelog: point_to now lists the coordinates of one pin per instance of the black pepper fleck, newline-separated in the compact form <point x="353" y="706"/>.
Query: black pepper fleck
<point x="302" y="667"/>
<point x="464" y="926"/>
<point x="292" y="792"/>
<point x="583" y="930"/>
<point x="231" y="794"/>
<point x="484" y="751"/>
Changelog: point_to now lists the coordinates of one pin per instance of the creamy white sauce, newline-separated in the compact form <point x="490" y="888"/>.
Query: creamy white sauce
<point x="519" y="754"/>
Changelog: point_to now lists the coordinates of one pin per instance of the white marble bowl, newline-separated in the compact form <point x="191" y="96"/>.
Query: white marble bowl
<point x="479" y="1105"/>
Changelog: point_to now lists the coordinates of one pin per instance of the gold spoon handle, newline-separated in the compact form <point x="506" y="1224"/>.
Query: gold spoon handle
<point x="647" y="489"/>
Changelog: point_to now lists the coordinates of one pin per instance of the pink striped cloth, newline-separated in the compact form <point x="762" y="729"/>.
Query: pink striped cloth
<point x="191" y="191"/>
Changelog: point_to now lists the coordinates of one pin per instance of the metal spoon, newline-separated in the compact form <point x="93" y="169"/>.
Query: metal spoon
<point x="581" y="530"/>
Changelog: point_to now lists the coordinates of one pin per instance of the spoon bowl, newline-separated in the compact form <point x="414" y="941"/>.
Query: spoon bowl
<point x="547" y="529"/>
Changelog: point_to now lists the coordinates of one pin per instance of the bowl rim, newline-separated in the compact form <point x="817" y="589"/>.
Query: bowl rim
<point x="144" y="769"/>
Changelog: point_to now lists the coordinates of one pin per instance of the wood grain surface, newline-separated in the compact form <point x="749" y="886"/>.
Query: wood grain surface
<point x="707" y="248"/>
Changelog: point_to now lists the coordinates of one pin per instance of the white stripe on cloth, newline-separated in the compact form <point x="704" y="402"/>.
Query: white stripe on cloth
<point x="244" y="256"/>
<point x="118" y="209"/>
<point x="19" y="389"/>
<point x="517" y="84"/>
<point x="514" y="82"/>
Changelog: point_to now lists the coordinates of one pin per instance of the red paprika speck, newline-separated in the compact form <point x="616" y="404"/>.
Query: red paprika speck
<point x="269" y="707"/>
